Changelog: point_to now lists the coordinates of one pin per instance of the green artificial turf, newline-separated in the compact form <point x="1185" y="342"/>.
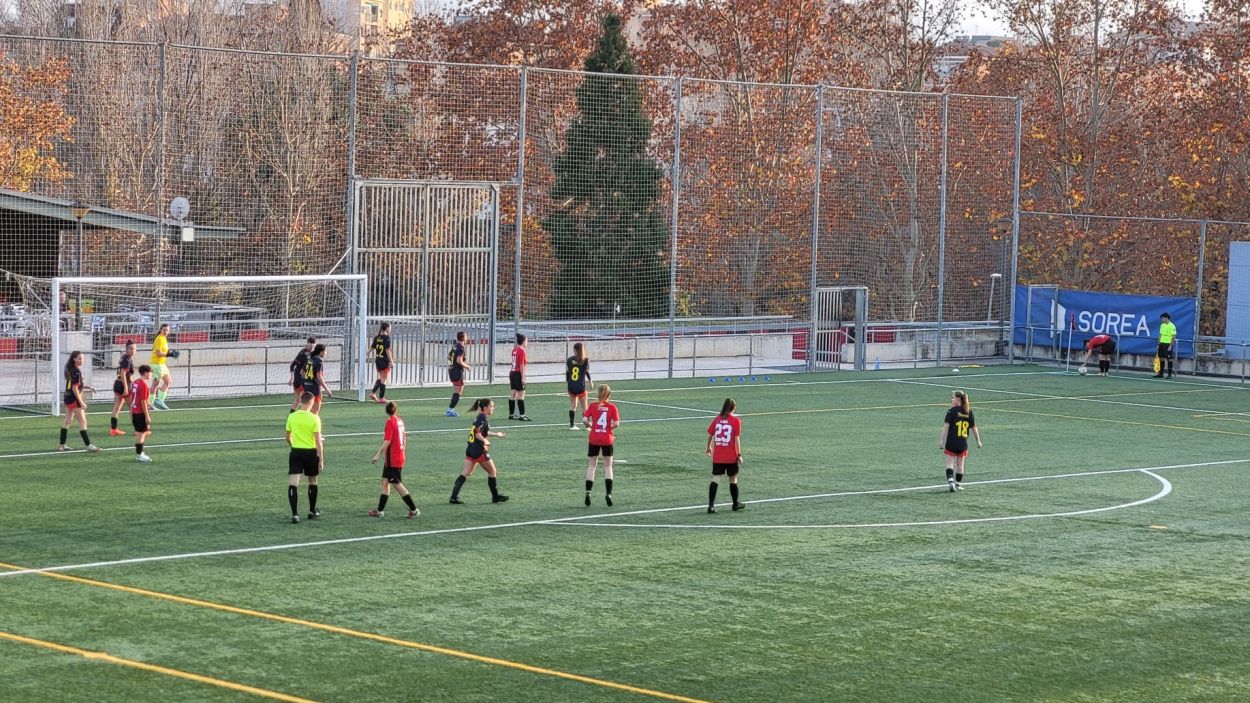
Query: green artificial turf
<point x="844" y="591"/>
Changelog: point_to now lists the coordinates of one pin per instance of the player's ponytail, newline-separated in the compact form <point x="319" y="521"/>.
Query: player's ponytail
<point x="605" y="392"/>
<point x="728" y="407"/>
<point x="481" y="403"/>
<point x="964" y="401"/>
<point x="579" y="351"/>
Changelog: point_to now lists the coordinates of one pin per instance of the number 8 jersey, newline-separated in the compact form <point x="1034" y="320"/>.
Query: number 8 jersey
<point x="961" y="423"/>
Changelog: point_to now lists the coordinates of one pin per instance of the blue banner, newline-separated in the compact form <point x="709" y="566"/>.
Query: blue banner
<point x="1133" y="320"/>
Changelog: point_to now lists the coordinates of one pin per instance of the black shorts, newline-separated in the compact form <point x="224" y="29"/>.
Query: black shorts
<point x="1165" y="351"/>
<point x="393" y="475"/>
<point x="597" y="449"/>
<point x="139" y="421"/>
<point x="315" y="390"/>
<point x="456" y="375"/>
<point x="1107" y="348"/>
<point x="303" y="461"/>
<point x="725" y="469"/>
<point x="516" y="381"/>
<point x="381" y="363"/>
<point x="298" y="386"/>
<point x="119" y="388"/>
<point x="577" y="389"/>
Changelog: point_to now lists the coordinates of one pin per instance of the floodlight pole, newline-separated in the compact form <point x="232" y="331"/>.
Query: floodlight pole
<point x="80" y="211"/>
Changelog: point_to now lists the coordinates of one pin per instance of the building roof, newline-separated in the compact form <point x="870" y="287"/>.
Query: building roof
<point x="105" y="218"/>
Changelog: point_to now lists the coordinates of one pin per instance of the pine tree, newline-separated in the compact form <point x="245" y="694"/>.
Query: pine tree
<point x="607" y="226"/>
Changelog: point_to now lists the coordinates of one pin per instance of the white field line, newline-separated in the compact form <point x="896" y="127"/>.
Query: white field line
<point x="618" y="391"/>
<point x="560" y="521"/>
<point x="1163" y="492"/>
<point x="668" y="407"/>
<point x="1084" y="399"/>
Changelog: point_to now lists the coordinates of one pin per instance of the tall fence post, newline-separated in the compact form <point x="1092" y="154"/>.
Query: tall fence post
<point x="1015" y="234"/>
<point x="158" y="259"/>
<point x="820" y="137"/>
<point x="946" y="101"/>
<point x="1202" y="256"/>
<point x="520" y="204"/>
<point x="672" y="264"/>
<point x="352" y="229"/>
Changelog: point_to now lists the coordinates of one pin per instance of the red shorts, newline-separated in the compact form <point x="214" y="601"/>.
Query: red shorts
<point x="73" y="405"/>
<point x="957" y="455"/>
<point x="485" y="457"/>
<point x="458" y="385"/>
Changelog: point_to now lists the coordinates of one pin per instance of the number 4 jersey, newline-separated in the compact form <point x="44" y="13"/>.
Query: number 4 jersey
<point x="961" y="423"/>
<point x="600" y="416"/>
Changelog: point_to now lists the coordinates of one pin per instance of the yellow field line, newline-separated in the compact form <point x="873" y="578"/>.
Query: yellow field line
<point x="111" y="659"/>
<point x="1124" y="422"/>
<point x="434" y="649"/>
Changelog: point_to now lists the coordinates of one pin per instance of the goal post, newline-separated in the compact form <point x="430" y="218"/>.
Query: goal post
<point x="236" y="334"/>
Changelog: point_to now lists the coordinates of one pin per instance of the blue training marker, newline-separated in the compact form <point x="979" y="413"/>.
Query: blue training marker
<point x="742" y="379"/>
<point x="712" y="380"/>
<point x="728" y="380"/>
<point x="753" y="379"/>
<point x="768" y="378"/>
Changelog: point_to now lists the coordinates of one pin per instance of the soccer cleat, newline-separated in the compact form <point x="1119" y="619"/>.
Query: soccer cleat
<point x="524" y="418"/>
<point x="375" y="513"/>
<point x="381" y="401"/>
<point x="294" y="519"/>
<point x="959" y="486"/>
<point x="608" y="499"/>
<point x="587" y="499"/>
<point x="575" y="429"/>
<point x="160" y="405"/>
<point x="314" y="515"/>
<point x="117" y="433"/>
<point x="499" y="499"/>
<point x="62" y="448"/>
<point x="739" y="506"/>
<point x="512" y="417"/>
<point x="451" y="413"/>
<point x="143" y="458"/>
<point x="711" y="510"/>
<point x="373" y="397"/>
<point x="950" y="482"/>
<point x="455" y="500"/>
<point x="92" y="449"/>
<point x="414" y="513"/>
<point x="1158" y="375"/>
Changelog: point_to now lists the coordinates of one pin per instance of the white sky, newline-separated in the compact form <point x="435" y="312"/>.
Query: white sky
<point x="979" y="21"/>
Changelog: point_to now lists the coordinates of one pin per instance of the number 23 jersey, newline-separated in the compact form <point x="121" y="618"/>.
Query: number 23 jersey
<point x="724" y="431"/>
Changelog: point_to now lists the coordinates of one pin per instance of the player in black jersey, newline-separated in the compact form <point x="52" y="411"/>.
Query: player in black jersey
<point x="478" y="452"/>
<point x="456" y="366"/>
<point x="75" y="406"/>
<point x="121" y="387"/>
<point x="382" y="360"/>
<point x="312" y="379"/>
<point x="297" y="371"/>
<point x="577" y="376"/>
<point x="954" y="440"/>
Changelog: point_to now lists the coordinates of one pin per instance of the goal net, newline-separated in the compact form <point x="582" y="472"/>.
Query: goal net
<point x="234" y="335"/>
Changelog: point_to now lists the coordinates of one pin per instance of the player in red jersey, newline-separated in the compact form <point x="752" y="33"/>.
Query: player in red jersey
<point x="394" y="442"/>
<point x="954" y="439"/>
<point x="140" y="413"/>
<point x="1104" y="344"/>
<point x="724" y="445"/>
<point x="121" y="387"/>
<point x="601" y="418"/>
<point x="75" y="406"/>
<point x="516" y="380"/>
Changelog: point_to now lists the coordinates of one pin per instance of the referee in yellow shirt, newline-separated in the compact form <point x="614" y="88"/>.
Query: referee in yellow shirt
<point x="1167" y="337"/>
<point x="160" y="351"/>
<point x="303" y="434"/>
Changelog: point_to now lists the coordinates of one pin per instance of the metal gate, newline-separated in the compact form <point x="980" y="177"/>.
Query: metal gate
<point x="431" y="252"/>
<point x="840" y="322"/>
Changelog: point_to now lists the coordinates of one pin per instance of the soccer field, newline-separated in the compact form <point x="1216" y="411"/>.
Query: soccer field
<point x="1099" y="553"/>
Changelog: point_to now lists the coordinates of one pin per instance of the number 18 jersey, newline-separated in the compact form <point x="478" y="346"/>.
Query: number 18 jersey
<point x="961" y="424"/>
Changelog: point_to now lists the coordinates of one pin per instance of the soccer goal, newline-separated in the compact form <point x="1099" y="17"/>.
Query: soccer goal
<point x="234" y="335"/>
<point x="839" y="324"/>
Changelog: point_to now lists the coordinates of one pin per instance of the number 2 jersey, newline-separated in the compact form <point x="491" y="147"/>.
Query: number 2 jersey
<point x="599" y="417"/>
<point x="961" y="423"/>
<point x="724" y="430"/>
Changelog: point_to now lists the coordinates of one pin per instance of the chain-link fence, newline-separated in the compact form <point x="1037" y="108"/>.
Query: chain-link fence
<point x="623" y="205"/>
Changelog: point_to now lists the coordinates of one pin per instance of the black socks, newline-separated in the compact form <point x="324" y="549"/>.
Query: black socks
<point x="520" y="404"/>
<point x="113" y="422"/>
<point x="590" y="485"/>
<point x="733" y="492"/>
<point x="511" y="407"/>
<point x="292" y="495"/>
<point x="950" y="473"/>
<point x="312" y="498"/>
<point x="570" y="418"/>
<point x="455" y="490"/>
<point x="381" y="390"/>
<point x="85" y="439"/>
<point x="494" y="487"/>
<point x="607" y="483"/>
<point x="711" y="493"/>
<point x="64" y="434"/>
<point x="138" y="447"/>
<point x="455" y="398"/>
<point x="407" y="501"/>
<point x="382" y="502"/>
<point x="959" y="478"/>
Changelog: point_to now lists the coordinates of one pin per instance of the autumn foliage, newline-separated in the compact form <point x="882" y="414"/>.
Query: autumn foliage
<point x="33" y="122"/>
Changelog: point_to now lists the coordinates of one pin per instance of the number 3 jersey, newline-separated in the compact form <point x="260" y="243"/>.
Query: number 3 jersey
<point x="961" y="423"/>
<point x="600" y="416"/>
